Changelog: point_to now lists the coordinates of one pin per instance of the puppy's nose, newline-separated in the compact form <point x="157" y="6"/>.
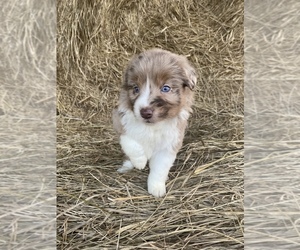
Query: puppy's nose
<point x="146" y="113"/>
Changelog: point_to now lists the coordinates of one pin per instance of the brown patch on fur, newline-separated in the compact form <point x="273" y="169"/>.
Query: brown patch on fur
<point x="117" y="121"/>
<point x="182" y="124"/>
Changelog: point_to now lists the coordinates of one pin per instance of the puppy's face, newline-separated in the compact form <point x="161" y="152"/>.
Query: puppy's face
<point x="157" y="85"/>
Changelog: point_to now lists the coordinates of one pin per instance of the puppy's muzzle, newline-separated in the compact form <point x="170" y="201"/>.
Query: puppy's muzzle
<point x="146" y="113"/>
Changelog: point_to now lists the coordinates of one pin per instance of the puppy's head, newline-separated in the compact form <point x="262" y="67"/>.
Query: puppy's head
<point x="158" y="85"/>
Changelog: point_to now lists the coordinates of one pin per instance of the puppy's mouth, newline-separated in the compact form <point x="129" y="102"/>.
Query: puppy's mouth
<point x="148" y="121"/>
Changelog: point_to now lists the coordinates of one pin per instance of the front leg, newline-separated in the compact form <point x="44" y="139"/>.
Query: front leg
<point x="160" y="164"/>
<point x="135" y="153"/>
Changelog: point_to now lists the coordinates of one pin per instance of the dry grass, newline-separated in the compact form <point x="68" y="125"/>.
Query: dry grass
<point x="99" y="208"/>
<point x="272" y="115"/>
<point x="27" y="125"/>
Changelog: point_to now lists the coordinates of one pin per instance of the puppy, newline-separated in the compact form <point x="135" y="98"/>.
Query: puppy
<point x="151" y="117"/>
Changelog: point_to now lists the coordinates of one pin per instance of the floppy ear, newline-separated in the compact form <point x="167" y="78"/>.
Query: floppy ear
<point x="191" y="79"/>
<point x="126" y="73"/>
<point x="190" y="73"/>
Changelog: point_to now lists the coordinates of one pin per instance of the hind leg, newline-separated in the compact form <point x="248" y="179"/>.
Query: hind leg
<point x="126" y="167"/>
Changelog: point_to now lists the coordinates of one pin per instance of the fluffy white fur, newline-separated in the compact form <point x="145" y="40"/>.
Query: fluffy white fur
<point x="142" y="101"/>
<point x="155" y="142"/>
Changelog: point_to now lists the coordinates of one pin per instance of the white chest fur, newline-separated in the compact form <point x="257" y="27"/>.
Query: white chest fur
<point x="153" y="138"/>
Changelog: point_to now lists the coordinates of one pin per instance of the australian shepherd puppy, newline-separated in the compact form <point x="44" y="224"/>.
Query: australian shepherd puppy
<point x="152" y="113"/>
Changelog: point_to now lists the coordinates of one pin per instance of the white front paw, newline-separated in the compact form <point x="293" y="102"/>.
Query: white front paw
<point x="134" y="152"/>
<point x="139" y="162"/>
<point x="156" y="188"/>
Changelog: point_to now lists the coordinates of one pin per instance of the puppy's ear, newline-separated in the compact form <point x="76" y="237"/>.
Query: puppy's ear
<point x="190" y="74"/>
<point x="128" y="70"/>
<point x="191" y="77"/>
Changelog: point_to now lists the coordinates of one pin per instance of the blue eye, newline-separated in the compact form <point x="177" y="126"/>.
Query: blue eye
<point x="136" y="90"/>
<point x="165" y="88"/>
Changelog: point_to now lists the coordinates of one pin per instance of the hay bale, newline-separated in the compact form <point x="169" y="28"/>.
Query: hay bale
<point x="99" y="207"/>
